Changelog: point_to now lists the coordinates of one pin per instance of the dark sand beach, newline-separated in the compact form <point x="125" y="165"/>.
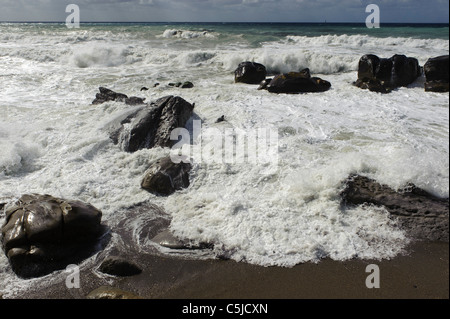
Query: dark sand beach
<point x="421" y="273"/>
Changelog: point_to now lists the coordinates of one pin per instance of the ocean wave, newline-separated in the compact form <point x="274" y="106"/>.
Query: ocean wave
<point x="186" y="34"/>
<point x="103" y="56"/>
<point x="17" y="157"/>
<point x="366" y="41"/>
<point x="283" y="61"/>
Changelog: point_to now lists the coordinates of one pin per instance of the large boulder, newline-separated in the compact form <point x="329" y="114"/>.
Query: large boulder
<point x="423" y="215"/>
<point x="107" y="95"/>
<point x="437" y="74"/>
<point x="384" y="75"/>
<point x="297" y="82"/>
<point x="165" y="177"/>
<point x="250" y="73"/>
<point x="152" y="125"/>
<point x="42" y="234"/>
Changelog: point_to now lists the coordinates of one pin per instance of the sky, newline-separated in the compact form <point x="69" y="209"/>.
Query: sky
<point x="391" y="11"/>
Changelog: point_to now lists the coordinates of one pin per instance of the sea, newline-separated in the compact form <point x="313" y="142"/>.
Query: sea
<point x="281" y="212"/>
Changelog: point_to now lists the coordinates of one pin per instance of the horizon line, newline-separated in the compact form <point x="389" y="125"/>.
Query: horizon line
<point x="226" y="22"/>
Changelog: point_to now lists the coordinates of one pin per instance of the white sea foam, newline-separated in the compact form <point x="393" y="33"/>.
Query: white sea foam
<point x="187" y="34"/>
<point x="53" y="141"/>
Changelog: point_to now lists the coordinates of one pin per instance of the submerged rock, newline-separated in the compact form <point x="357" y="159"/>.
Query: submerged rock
<point x="437" y="73"/>
<point x="423" y="215"/>
<point x="165" y="177"/>
<point x="384" y="75"/>
<point x="107" y="95"/>
<point x="168" y="240"/>
<point x="152" y="125"/>
<point x="119" y="267"/>
<point x="183" y="85"/>
<point x="42" y="234"/>
<point x="221" y="119"/>
<point x="297" y="82"/>
<point x="250" y="73"/>
<point x="187" y="85"/>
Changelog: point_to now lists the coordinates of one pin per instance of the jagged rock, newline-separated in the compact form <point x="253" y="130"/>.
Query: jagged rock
<point x="297" y="82"/>
<point x="152" y="125"/>
<point x="221" y="119"/>
<point x="107" y="95"/>
<point x="423" y="215"/>
<point x="250" y="73"/>
<point x="384" y="75"/>
<point x="42" y="234"/>
<point x="165" y="177"/>
<point x="437" y="73"/>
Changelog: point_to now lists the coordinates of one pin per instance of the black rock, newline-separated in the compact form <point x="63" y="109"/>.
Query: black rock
<point x="437" y="86"/>
<point x="298" y="82"/>
<point x="42" y="234"/>
<point x="423" y="215"/>
<point x="250" y="73"/>
<point x="373" y="85"/>
<point x="107" y="95"/>
<point x="165" y="177"/>
<point x="437" y="73"/>
<point x="152" y="125"/>
<point x="187" y="85"/>
<point x="221" y="119"/>
<point x="134" y="101"/>
<point x="144" y="89"/>
<point x="383" y="75"/>
<point x="264" y="83"/>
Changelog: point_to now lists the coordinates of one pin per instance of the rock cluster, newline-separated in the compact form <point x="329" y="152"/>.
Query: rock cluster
<point x="383" y="75"/>
<point x="107" y="95"/>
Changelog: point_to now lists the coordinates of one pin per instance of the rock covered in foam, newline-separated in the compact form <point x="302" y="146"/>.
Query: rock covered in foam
<point x="423" y="215"/>
<point x="152" y="125"/>
<point x="165" y="177"/>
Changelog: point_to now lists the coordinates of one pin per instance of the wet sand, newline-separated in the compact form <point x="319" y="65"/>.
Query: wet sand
<point x="422" y="273"/>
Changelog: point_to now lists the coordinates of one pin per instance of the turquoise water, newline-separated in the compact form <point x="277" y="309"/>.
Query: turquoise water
<point x="267" y="31"/>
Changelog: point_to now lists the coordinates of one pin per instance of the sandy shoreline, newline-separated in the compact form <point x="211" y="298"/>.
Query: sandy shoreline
<point x="422" y="273"/>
